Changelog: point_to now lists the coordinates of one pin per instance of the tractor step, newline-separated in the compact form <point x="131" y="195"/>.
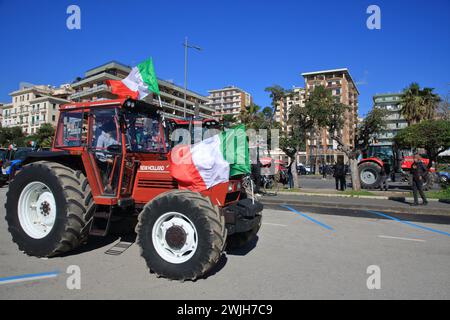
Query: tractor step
<point x="100" y="223"/>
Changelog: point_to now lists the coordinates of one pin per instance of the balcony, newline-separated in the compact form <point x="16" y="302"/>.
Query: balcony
<point x="89" y="92"/>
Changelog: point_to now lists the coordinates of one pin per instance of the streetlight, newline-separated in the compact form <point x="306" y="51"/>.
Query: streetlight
<point x="186" y="47"/>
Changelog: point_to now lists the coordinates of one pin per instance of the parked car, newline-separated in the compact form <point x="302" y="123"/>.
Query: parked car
<point x="302" y="169"/>
<point x="444" y="178"/>
<point x="12" y="162"/>
<point x="3" y="153"/>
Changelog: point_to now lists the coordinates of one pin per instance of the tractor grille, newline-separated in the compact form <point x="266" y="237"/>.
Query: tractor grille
<point x="157" y="184"/>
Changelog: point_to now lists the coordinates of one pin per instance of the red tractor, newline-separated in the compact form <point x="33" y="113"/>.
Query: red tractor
<point x="110" y="159"/>
<point x="370" y="167"/>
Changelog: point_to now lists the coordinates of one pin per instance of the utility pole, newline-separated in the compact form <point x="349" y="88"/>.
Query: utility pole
<point x="186" y="47"/>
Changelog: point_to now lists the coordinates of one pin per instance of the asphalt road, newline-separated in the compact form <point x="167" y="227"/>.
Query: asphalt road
<point x="301" y="253"/>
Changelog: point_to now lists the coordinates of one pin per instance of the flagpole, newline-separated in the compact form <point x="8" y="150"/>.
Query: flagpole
<point x="159" y="99"/>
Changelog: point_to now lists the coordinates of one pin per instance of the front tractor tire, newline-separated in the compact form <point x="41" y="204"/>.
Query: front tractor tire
<point x="370" y="175"/>
<point x="181" y="235"/>
<point x="48" y="209"/>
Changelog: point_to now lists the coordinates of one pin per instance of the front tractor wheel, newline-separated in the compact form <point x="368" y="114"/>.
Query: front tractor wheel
<point x="48" y="206"/>
<point x="370" y="175"/>
<point x="181" y="235"/>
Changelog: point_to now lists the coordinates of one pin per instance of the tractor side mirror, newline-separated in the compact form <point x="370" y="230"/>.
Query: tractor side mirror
<point x="114" y="148"/>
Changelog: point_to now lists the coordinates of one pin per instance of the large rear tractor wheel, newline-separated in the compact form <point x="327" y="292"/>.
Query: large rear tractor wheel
<point x="370" y="175"/>
<point x="48" y="209"/>
<point x="181" y="235"/>
<point x="240" y="240"/>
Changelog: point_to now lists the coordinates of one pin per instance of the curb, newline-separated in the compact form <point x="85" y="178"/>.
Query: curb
<point x="332" y="195"/>
<point x="415" y="210"/>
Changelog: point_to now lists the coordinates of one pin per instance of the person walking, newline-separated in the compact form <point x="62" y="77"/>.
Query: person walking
<point x="385" y="171"/>
<point x="418" y="172"/>
<point x="324" y="170"/>
<point x="339" y="175"/>
<point x="290" y="176"/>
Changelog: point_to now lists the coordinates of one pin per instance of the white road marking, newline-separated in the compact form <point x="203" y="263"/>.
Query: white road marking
<point x="275" y="224"/>
<point x="400" y="238"/>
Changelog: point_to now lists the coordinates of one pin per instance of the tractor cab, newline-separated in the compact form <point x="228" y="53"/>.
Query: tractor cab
<point x="113" y="137"/>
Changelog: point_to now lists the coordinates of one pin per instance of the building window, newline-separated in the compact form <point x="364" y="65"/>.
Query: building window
<point x="53" y="118"/>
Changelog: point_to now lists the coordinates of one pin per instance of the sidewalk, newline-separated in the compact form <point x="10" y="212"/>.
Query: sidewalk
<point x="336" y="193"/>
<point x="384" y="204"/>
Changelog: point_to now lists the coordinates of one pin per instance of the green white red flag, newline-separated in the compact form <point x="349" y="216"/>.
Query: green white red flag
<point x="138" y="84"/>
<point x="212" y="161"/>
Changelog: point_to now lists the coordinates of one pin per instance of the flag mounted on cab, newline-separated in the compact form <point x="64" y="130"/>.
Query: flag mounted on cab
<point x="138" y="84"/>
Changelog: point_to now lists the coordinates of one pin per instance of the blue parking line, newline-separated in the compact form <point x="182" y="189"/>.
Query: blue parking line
<point x="29" y="277"/>
<point x="309" y="218"/>
<point x="410" y="223"/>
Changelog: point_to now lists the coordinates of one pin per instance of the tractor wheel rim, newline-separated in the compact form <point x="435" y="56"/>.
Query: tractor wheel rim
<point x="175" y="237"/>
<point x="37" y="210"/>
<point x="368" y="177"/>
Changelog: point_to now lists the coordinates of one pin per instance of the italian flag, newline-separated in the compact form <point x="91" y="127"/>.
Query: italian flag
<point x="138" y="84"/>
<point x="212" y="161"/>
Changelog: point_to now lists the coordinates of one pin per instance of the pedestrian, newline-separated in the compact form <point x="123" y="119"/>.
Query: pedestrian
<point x="324" y="170"/>
<point x="419" y="173"/>
<point x="385" y="171"/>
<point x="290" y="176"/>
<point x="339" y="175"/>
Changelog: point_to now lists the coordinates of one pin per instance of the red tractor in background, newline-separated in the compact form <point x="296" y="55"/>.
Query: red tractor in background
<point x="370" y="167"/>
<point x="109" y="160"/>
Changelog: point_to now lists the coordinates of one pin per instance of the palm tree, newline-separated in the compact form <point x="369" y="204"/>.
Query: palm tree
<point x="250" y="116"/>
<point x="430" y="102"/>
<point x="419" y="104"/>
<point x="229" y="120"/>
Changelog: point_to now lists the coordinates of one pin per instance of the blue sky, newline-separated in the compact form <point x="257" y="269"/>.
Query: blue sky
<point x="251" y="44"/>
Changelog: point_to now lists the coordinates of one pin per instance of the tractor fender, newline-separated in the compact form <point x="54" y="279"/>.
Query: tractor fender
<point x="375" y="160"/>
<point x="63" y="157"/>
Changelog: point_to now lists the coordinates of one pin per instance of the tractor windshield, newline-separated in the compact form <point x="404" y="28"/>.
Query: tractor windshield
<point x="144" y="133"/>
<point x="381" y="152"/>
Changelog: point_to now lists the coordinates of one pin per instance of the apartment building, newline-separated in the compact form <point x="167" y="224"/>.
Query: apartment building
<point x="283" y="107"/>
<point x="343" y="87"/>
<point x="93" y="87"/>
<point x="392" y="103"/>
<point x="34" y="105"/>
<point x="229" y="101"/>
<point x="1" y="113"/>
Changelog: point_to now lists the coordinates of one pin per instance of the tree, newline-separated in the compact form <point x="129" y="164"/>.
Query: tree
<point x="277" y="94"/>
<point x="373" y="124"/>
<point x="229" y="120"/>
<point x="327" y="113"/>
<point x="44" y="135"/>
<point x="250" y="116"/>
<point x="431" y="135"/>
<point x="419" y="104"/>
<point x="301" y="123"/>
<point x="443" y="110"/>
<point x="11" y="135"/>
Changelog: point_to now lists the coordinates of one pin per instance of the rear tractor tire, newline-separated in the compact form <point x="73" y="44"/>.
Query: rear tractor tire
<point x="370" y="175"/>
<point x="181" y="235"/>
<point x="48" y="209"/>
